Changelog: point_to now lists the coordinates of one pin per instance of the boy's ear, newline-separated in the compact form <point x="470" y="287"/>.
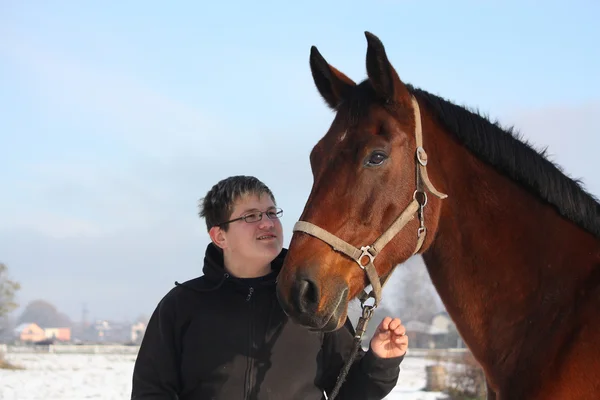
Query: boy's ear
<point x="217" y="235"/>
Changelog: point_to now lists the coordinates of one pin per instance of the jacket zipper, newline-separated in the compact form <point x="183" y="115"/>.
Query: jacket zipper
<point x="250" y="363"/>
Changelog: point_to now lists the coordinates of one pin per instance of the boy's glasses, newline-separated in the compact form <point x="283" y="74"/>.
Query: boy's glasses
<point x="274" y="213"/>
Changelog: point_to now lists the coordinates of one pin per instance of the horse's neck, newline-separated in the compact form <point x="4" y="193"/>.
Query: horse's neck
<point x="505" y="265"/>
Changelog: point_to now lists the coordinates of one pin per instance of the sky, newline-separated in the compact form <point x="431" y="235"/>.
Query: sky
<point x="117" y="117"/>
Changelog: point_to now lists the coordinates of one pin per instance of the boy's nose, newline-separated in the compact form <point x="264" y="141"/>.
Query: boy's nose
<point x="266" y="221"/>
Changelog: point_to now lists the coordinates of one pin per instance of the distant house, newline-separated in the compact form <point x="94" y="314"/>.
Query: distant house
<point x="419" y="335"/>
<point x="444" y="331"/>
<point x="60" y="334"/>
<point x="441" y="323"/>
<point x="29" y="332"/>
<point x="103" y="331"/>
<point x="439" y="333"/>
<point x="137" y="332"/>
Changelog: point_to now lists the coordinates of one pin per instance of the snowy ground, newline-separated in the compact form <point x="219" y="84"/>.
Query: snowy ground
<point x="108" y="377"/>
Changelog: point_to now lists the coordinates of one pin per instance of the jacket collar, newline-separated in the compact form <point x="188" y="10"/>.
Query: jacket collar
<point x="214" y="268"/>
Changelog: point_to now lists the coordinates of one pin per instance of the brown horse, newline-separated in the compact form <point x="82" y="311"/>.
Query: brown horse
<point x="511" y="243"/>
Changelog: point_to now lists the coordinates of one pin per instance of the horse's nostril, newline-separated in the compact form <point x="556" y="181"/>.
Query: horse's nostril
<point x="307" y="295"/>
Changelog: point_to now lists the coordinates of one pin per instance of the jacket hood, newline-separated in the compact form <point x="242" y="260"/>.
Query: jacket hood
<point x="214" y="265"/>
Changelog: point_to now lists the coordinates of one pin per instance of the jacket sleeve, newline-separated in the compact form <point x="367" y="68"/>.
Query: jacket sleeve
<point x="370" y="376"/>
<point x="156" y="371"/>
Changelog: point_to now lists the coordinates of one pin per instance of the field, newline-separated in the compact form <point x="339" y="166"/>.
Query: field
<point x="108" y="377"/>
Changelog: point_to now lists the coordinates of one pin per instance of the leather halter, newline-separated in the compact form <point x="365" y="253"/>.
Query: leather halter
<point x="365" y="256"/>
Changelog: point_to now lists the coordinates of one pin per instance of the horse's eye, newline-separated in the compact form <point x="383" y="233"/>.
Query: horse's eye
<point x="376" y="158"/>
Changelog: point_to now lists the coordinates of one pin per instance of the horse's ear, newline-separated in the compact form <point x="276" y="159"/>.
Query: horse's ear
<point x="383" y="76"/>
<point x="333" y="85"/>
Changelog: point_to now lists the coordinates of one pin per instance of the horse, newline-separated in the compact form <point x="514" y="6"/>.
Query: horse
<point x="510" y="241"/>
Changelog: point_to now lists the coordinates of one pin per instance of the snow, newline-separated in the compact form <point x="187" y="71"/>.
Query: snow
<point x="108" y="377"/>
<point x="67" y="377"/>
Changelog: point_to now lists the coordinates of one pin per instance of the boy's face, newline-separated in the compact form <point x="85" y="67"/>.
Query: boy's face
<point x="254" y="242"/>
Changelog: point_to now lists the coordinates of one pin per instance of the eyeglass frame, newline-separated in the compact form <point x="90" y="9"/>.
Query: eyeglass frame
<point x="260" y="216"/>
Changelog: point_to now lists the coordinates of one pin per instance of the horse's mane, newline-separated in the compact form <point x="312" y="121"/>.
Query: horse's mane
<point x="505" y="150"/>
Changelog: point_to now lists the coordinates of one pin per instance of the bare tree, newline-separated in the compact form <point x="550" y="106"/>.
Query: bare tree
<point x="45" y="315"/>
<point x="416" y="294"/>
<point x="8" y="291"/>
<point x="408" y="295"/>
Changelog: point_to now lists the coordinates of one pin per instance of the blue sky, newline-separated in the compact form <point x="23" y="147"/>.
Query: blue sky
<point x="116" y="118"/>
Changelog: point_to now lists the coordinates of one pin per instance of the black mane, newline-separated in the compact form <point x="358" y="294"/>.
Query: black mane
<point x="509" y="153"/>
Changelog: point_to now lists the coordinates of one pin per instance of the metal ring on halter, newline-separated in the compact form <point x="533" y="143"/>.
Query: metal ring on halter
<point x="421" y="156"/>
<point x="364" y="305"/>
<point x="367" y="311"/>
<point x="365" y="252"/>
<point x="415" y="197"/>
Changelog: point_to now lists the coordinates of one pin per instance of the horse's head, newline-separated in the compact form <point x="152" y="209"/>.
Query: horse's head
<point x="370" y="186"/>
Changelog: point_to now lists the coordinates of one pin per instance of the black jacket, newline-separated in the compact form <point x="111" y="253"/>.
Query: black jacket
<point x="219" y="337"/>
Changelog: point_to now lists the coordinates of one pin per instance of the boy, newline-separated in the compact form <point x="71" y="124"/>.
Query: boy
<point x="224" y="336"/>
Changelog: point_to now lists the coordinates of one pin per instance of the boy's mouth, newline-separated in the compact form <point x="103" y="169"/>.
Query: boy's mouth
<point x="266" y="237"/>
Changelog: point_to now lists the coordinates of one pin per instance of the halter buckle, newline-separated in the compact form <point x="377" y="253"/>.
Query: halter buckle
<point x="365" y="253"/>
<point x="421" y="156"/>
<point x="422" y="202"/>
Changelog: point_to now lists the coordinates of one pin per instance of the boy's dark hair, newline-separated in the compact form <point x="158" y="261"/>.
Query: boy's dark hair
<point x="217" y="206"/>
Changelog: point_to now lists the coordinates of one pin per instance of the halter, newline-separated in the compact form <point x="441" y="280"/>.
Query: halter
<point x="365" y="255"/>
